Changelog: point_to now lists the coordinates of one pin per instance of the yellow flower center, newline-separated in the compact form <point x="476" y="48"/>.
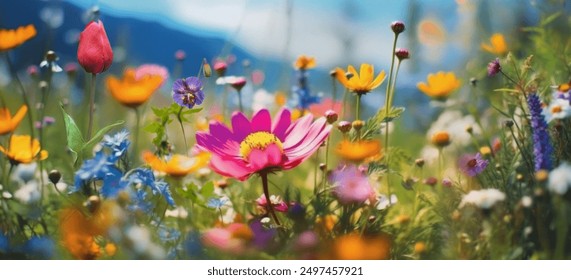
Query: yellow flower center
<point x="556" y="109"/>
<point x="258" y="140"/>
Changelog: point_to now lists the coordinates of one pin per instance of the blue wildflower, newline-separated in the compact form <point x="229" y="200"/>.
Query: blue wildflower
<point x="217" y="203"/>
<point x="542" y="148"/>
<point x="193" y="246"/>
<point x="167" y="235"/>
<point x="118" y="143"/>
<point x="4" y="244"/>
<point x="97" y="168"/>
<point x="39" y="247"/>
<point x="146" y="177"/>
<point x="303" y="94"/>
<point x="140" y="202"/>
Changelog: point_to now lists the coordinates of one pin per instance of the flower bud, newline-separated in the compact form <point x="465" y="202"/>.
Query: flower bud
<point x="494" y="67"/>
<point x="54" y="176"/>
<point x="397" y="27"/>
<point x="331" y="116"/>
<point x="333" y="73"/>
<point x="206" y="69"/>
<point x="419" y="162"/>
<point x="508" y="123"/>
<point x="94" y="52"/>
<point x="322" y="167"/>
<point x="180" y="55"/>
<point x="358" y="124"/>
<point x="402" y="54"/>
<point x="220" y="68"/>
<point x="344" y="126"/>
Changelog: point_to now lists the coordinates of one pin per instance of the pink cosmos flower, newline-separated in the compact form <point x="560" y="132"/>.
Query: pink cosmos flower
<point x="351" y="185"/>
<point x="260" y="145"/>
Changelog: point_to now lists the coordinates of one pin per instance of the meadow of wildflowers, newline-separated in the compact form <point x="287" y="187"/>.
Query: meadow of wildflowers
<point x="154" y="162"/>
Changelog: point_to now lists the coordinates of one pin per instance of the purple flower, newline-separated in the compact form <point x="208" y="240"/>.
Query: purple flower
<point x="351" y="185"/>
<point x="472" y="165"/>
<point x="188" y="92"/>
<point x="542" y="148"/>
<point x="494" y="67"/>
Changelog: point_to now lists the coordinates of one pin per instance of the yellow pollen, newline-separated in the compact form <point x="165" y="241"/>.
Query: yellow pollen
<point x="556" y="109"/>
<point x="258" y="140"/>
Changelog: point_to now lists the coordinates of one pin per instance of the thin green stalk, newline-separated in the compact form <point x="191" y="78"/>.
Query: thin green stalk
<point x="24" y="95"/>
<point x="240" y="100"/>
<point x="333" y="90"/>
<point x="316" y="170"/>
<point x="179" y="118"/>
<point x="269" y="206"/>
<point x="388" y="100"/>
<point x="324" y="179"/>
<point x="91" y="105"/>
<point x="137" y="131"/>
<point x="358" y="108"/>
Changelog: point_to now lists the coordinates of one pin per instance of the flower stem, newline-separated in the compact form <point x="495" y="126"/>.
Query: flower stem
<point x="182" y="128"/>
<point x="324" y="180"/>
<point x="137" y="131"/>
<point x="388" y="100"/>
<point x="358" y="108"/>
<point x="269" y="206"/>
<point x="91" y="106"/>
<point x="334" y="91"/>
<point x="24" y="95"/>
<point x="240" y="100"/>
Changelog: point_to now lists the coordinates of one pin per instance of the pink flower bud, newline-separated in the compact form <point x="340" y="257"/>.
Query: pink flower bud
<point x="94" y="52"/>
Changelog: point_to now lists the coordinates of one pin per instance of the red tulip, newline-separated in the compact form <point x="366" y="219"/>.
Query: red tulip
<point x="94" y="52"/>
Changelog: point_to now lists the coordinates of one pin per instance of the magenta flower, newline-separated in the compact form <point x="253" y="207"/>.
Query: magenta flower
<point x="351" y="185"/>
<point x="262" y="146"/>
<point x="472" y="165"/>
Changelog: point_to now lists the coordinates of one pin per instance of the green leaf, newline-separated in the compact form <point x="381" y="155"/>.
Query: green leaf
<point x="394" y="113"/>
<point x="207" y="190"/>
<point x="75" y="140"/>
<point x="100" y="134"/>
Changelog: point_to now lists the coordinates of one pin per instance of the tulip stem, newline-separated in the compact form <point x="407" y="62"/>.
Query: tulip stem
<point x="91" y="105"/>
<point x="269" y="206"/>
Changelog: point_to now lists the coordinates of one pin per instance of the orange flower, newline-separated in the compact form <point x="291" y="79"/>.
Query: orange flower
<point x="362" y="82"/>
<point x="358" y="151"/>
<point x="11" y="38"/>
<point x="7" y="122"/>
<point x="440" y="139"/>
<point x="497" y="45"/>
<point x="355" y="247"/>
<point x="23" y="149"/>
<point x="440" y="85"/>
<point x="177" y="165"/>
<point x="79" y="231"/>
<point x="304" y="62"/>
<point x="131" y="91"/>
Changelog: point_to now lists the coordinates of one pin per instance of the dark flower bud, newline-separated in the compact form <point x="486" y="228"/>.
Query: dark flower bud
<point x="402" y="54"/>
<point x="397" y="27"/>
<point x="508" y="123"/>
<point x="344" y="126"/>
<point x="54" y="176"/>
<point x="419" y="162"/>
<point x="331" y="116"/>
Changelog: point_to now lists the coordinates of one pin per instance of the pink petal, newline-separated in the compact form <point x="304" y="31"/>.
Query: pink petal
<point x="262" y="121"/>
<point x="305" y="134"/>
<point x="297" y="156"/>
<point x="282" y="121"/>
<point x="270" y="157"/>
<point x="297" y="131"/>
<point x="222" y="147"/>
<point x="220" y="131"/>
<point x="230" y="168"/>
<point x="240" y="126"/>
